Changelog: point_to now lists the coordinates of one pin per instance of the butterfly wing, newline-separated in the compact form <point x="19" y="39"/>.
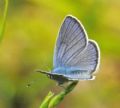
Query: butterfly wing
<point x="88" y="61"/>
<point x="72" y="40"/>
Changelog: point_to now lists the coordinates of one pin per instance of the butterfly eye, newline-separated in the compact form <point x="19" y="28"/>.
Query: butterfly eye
<point x="49" y="76"/>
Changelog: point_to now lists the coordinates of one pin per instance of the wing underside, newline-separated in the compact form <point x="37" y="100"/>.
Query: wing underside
<point x="72" y="40"/>
<point x="73" y="49"/>
<point x="87" y="59"/>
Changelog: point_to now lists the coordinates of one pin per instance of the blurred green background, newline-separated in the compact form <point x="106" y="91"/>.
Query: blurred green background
<point x="31" y="30"/>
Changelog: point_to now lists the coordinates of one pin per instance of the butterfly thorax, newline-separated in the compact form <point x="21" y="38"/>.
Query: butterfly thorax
<point x="59" y="78"/>
<point x="58" y="75"/>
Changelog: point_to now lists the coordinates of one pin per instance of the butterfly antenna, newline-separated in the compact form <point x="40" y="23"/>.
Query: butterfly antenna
<point x="30" y="83"/>
<point x="38" y="70"/>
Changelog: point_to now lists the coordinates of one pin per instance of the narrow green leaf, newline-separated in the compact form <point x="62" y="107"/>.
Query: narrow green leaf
<point x="4" y="20"/>
<point x="46" y="101"/>
<point x="56" y="100"/>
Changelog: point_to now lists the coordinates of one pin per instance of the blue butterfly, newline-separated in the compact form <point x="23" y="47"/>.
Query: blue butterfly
<point x="75" y="57"/>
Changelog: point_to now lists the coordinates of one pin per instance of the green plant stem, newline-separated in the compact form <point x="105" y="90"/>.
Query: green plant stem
<point x="4" y="20"/>
<point x="58" y="98"/>
<point x="46" y="101"/>
<point x="52" y="101"/>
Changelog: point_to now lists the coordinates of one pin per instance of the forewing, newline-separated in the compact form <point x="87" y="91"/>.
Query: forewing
<point x="72" y="40"/>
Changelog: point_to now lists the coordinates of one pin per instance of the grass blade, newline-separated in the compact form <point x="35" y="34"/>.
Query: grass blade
<point x="4" y="20"/>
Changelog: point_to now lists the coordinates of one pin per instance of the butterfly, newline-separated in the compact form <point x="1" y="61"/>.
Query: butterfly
<point x="75" y="56"/>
